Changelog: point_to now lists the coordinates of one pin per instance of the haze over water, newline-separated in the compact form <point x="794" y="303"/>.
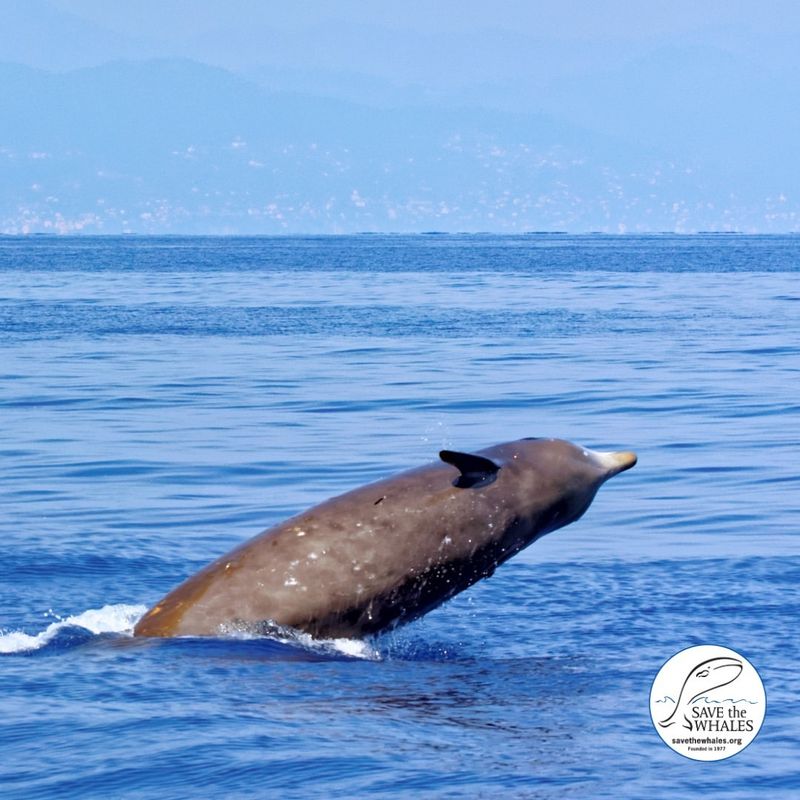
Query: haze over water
<point x="166" y="398"/>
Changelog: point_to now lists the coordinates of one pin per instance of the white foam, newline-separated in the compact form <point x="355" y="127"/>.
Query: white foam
<point x="355" y="648"/>
<point x="121" y="618"/>
<point x="118" y="618"/>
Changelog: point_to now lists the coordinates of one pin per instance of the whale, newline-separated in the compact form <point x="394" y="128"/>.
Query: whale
<point x="387" y="553"/>
<point x="701" y="679"/>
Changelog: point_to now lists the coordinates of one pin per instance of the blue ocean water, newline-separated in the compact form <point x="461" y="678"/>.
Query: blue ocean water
<point x="163" y="399"/>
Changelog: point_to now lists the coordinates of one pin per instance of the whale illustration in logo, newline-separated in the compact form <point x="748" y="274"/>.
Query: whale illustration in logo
<point x="701" y="679"/>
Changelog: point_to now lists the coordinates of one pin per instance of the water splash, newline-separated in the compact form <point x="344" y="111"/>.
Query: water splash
<point x="353" y="648"/>
<point x="119" y="618"/>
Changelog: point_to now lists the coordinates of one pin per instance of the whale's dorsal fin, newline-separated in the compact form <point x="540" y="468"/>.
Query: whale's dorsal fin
<point x="476" y="471"/>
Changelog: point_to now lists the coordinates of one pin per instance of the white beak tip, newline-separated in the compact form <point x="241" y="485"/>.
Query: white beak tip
<point x="616" y="462"/>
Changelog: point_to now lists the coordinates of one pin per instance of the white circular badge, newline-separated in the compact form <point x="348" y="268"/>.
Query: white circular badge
<point x="707" y="702"/>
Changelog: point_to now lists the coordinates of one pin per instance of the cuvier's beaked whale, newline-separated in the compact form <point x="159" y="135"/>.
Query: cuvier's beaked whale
<point x="389" y="552"/>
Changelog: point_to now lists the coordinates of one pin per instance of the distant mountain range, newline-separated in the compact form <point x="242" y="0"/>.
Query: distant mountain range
<point x="172" y="145"/>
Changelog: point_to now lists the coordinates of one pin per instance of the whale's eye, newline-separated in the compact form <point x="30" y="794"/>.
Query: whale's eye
<point x="702" y="674"/>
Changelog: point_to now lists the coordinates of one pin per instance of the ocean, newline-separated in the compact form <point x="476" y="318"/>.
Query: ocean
<point x="163" y="399"/>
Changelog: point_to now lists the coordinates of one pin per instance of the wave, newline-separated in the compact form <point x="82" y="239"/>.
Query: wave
<point x="118" y="618"/>
<point x="706" y="700"/>
<point x="121" y="619"/>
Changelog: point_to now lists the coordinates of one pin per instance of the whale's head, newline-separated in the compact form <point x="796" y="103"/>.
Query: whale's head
<point x="568" y="474"/>
<point x="710" y="675"/>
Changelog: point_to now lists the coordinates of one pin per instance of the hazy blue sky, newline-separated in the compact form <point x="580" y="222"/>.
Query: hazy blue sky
<point x="636" y="19"/>
<point x="698" y="100"/>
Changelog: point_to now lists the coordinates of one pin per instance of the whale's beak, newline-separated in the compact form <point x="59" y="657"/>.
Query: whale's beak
<point x="729" y="666"/>
<point x="616" y="462"/>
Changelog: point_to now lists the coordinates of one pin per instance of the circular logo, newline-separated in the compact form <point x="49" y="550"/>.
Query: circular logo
<point x="707" y="702"/>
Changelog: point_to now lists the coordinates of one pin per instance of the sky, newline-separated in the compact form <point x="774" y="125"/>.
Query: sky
<point x="567" y="19"/>
<point x="453" y="115"/>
